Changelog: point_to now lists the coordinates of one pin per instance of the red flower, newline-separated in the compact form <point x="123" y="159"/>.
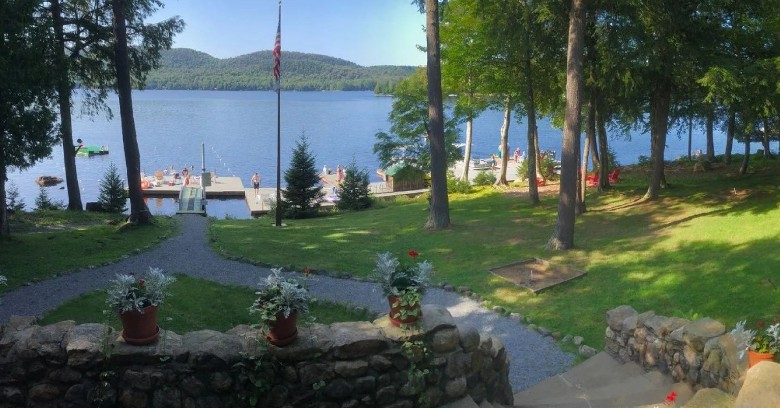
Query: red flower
<point x="306" y="271"/>
<point x="760" y="325"/>
<point x="413" y="253"/>
<point x="671" y="396"/>
<point x="141" y="282"/>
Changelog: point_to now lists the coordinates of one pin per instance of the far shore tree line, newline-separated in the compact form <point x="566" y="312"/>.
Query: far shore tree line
<point x="589" y="65"/>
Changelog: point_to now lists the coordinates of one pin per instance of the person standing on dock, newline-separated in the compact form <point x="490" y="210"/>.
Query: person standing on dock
<point x="256" y="183"/>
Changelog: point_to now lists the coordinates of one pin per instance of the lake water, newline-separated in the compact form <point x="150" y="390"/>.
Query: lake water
<point x="239" y="133"/>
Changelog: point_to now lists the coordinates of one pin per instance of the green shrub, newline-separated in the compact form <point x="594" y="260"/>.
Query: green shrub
<point x="484" y="178"/>
<point x="353" y="193"/>
<point x="43" y="202"/>
<point x="456" y="185"/>
<point x="12" y="199"/>
<point x="301" y="197"/>
<point x="113" y="197"/>
<point x="547" y="167"/>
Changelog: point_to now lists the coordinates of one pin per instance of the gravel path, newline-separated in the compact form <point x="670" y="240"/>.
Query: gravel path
<point x="534" y="357"/>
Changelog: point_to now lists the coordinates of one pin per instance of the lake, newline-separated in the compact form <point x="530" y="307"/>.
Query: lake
<point x="238" y="130"/>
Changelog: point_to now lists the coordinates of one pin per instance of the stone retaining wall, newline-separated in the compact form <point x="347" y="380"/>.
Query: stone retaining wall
<point x="342" y="365"/>
<point x="699" y="352"/>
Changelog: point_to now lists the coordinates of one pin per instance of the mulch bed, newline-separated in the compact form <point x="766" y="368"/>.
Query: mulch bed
<point x="536" y="274"/>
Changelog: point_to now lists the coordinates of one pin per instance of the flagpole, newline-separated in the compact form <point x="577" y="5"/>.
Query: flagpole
<point x="277" y="73"/>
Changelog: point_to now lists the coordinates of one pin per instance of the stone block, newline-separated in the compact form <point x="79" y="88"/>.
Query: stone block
<point x="357" y="339"/>
<point x="761" y="388"/>
<point x="435" y="318"/>
<point x="444" y="340"/>
<point x="353" y="368"/>
<point x="698" y="332"/>
<point x="616" y="316"/>
<point x="469" y="338"/>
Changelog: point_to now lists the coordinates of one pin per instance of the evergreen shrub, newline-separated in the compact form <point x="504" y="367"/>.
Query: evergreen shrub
<point x="113" y="196"/>
<point x="301" y="198"/>
<point x="353" y="192"/>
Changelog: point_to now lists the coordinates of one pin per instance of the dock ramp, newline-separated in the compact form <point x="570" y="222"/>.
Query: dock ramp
<point x="192" y="200"/>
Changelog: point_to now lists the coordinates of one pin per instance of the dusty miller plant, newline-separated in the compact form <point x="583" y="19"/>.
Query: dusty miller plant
<point x="279" y="295"/>
<point x="127" y="293"/>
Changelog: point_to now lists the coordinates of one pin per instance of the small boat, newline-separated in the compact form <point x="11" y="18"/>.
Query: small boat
<point x="46" y="181"/>
<point x="89" y="151"/>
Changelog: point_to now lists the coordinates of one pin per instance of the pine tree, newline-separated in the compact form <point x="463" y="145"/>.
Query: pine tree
<point x="354" y="189"/>
<point x="301" y="197"/>
<point x="113" y="197"/>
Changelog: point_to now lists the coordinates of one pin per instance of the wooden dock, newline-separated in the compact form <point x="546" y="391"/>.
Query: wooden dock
<point x="220" y="187"/>
<point x="233" y="187"/>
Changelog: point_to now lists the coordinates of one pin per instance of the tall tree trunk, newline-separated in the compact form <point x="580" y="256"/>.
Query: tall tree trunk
<point x="690" y="136"/>
<point x="504" y="145"/>
<point x="765" y="140"/>
<point x="582" y="181"/>
<point x="659" y="122"/>
<point x="66" y="127"/>
<point x="5" y="229"/>
<point x="563" y="236"/>
<point x="730" y="136"/>
<point x="590" y="138"/>
<point x="532" y="153"/>
<point x="439" y="216"/>
<point x="710" y="134"/>
<point x="601" y="122"/>
<point x="139" y="213"/>
<point x="467" y="152"/>
<point x="745" y="160"/>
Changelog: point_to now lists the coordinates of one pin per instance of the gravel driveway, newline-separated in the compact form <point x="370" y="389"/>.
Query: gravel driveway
<point x="534" y="357"/>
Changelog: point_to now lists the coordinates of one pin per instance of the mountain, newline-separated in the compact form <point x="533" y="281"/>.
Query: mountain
<point x="184" y="68"/>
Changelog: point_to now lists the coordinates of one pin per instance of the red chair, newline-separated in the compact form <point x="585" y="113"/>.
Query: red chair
<point x="614" y="177"/>
<point x="592" y="180"/>
<point x="540" y="182"/>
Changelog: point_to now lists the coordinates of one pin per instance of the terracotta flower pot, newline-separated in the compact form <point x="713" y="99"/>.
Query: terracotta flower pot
<point x="140" y="328"/>
<point x="754" y="357"/>
<point x="284" y="330"/>
<point x="397" y="317"/>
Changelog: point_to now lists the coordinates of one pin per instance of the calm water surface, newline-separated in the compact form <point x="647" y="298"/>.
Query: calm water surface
<point x="239" y="133"/>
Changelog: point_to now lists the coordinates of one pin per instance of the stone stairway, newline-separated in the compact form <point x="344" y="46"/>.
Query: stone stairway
<point x="603" y="382"/>
<point x="599" y="382"/>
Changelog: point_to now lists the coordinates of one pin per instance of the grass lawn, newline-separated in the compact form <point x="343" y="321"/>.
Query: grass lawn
<point x="708" y="247"/>
<point x="195" y="304"/>
<point x="47" y="243"/>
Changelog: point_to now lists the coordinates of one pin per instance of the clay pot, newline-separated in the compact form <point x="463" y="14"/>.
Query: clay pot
<point x="754" y="357"/>
<point x="140" y="328"/>
<point x="284" y="330"/>
<point x="397" y="318"/>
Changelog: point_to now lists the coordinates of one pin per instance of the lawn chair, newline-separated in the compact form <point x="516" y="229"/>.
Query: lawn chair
<point x="614" y="177"/>
<point x="592" y="180"/>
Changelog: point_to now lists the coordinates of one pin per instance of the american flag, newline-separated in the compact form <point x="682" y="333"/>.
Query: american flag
<point x="278" y="50"/>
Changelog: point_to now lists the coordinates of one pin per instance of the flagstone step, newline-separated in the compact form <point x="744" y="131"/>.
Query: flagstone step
<point x="601" y="381"/>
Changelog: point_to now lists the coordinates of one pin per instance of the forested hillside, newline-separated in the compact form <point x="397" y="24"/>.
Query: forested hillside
<point x="183" y="68"/>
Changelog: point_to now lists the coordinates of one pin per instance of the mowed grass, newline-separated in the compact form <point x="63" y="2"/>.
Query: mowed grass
<point x="194" y="304"/>
<point x="708" y="247"/>
<point x="45" y="244"/>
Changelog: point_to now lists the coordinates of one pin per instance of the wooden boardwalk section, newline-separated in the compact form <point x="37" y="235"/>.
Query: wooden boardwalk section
<point x="192" y="201"/>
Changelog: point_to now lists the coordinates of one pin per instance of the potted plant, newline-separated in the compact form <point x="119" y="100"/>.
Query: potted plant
<point x="136" y="301"/>
<point x="760" y="344"/>
<point x="404" y="285"/>
<point x="279" y="303"/>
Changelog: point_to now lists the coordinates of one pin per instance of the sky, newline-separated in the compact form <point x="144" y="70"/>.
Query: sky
<point x="366" y="32"/>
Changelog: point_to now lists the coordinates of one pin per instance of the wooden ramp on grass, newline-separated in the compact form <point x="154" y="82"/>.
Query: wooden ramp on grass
<point x="192" y="201"/>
